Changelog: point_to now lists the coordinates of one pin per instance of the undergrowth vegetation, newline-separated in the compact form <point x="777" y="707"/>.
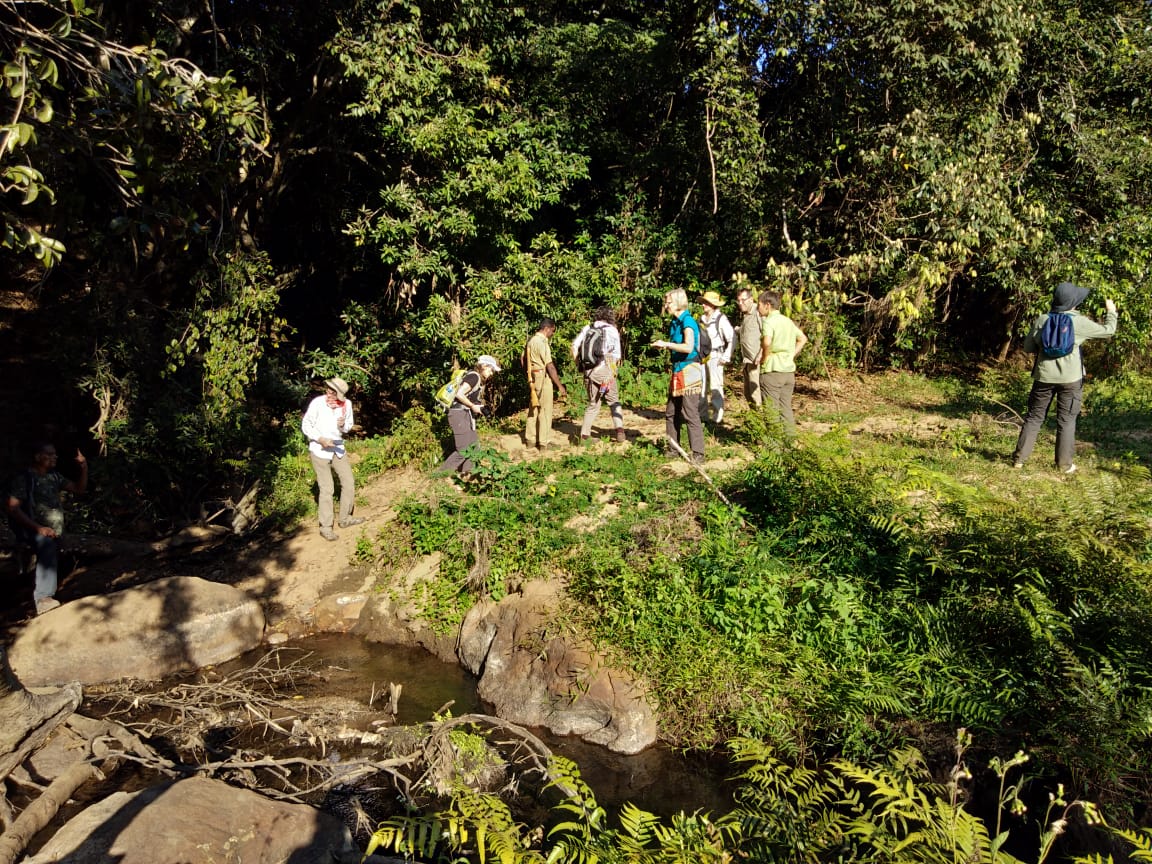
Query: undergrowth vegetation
<point x="861" y="593"/>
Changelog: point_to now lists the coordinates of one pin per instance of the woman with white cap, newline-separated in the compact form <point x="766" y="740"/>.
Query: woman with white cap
<point x="467" y="405"/>
<point x="326" y="422"/>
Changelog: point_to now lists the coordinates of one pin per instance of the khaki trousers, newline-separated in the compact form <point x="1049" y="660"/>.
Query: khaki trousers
<point x="539" y="430"/>
<point x="324" y="469"/>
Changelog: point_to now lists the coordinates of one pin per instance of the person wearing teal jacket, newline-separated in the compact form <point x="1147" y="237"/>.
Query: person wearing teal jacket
<point x="1060" y="378"/>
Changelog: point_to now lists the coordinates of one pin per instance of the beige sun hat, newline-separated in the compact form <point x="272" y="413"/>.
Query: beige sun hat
<point x="712" y="299"/>
<point x="339" y="385"/>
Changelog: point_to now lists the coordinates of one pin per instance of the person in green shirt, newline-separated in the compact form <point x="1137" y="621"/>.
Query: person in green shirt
<point x="781" y="341"/>
<point x="1060" y="378"/>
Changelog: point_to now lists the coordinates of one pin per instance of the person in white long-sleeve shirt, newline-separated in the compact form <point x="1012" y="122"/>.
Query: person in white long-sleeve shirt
<point x="723" y="337"/>
<point x="326" y="422"/>
<point x="600" y="372"/>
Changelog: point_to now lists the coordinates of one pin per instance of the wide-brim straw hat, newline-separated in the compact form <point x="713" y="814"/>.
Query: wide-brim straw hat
<point x="339" y="385"/>
<point x="712" y="299"/>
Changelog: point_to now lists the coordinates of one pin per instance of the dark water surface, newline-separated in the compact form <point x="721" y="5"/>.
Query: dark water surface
<point x="660" y="780"/>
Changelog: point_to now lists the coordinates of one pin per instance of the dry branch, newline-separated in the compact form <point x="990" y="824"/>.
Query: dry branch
<point x="44" y="809"/>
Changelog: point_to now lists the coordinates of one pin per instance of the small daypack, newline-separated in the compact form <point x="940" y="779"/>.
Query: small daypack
<point x="705" y="346"/>
<point x="446" y="395"/>
<point x="591" y="351"/>
<point x="1057" y="336"/>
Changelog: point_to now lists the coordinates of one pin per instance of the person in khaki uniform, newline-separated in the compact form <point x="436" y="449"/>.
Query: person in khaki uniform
<point x="751" y="347"/>
<point x="542" y="376"/>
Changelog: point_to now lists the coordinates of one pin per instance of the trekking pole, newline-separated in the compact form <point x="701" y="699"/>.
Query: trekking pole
<point x="675" y="445"/>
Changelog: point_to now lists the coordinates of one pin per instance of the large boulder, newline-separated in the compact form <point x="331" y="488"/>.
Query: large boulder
<point x="538" y="679"/>
<point x="198" y="820"/>
<point x="170" y="625"/>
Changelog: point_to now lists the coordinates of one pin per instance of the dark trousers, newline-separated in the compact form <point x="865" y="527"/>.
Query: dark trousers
<point x="1067" y="398"/>
<point x="685" y="410"/>
<point x="464" y="435"/>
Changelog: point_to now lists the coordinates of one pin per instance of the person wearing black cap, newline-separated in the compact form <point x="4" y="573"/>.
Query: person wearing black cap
<point x="1060" y="378"/>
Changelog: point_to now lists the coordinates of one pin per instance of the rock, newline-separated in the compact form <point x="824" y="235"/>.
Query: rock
<point x="537" y="680"/>
<point x="170" y="625"/>
<point x="389" y="620"/>
<point x="338" y="613"/>
<point x="197" y="820"/>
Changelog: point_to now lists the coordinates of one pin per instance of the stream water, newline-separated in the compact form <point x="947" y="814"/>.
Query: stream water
<point x="660" y="780"/>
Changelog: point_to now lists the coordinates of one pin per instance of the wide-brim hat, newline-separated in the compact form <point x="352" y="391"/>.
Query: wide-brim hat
<point x="489" y="361"/>
<point x="712" y="299"/>
<point x="339" y="385"/>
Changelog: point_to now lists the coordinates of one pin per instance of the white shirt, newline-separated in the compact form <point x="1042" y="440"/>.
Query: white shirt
<point x="612" y="347"/>
<point x="722" y="334"/>
<point x="321" y="421"/>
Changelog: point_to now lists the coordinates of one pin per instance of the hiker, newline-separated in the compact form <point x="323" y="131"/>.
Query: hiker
<point x="750" y="345"/>
<point x="781" y="340"/>
<point x="37" y="516"/>
<point x="326" y="422"/>
<point x="542" y="376"/>
<point x="723" y="338"/>
<point x="687" y="381"/>
<point x="1059" y="377"/>
<point x="598" y="353"/>
<point x="467" y="405"/>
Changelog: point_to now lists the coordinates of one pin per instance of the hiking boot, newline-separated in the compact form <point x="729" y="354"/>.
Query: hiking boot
<point x="697" y="458"/>
<point x="46" y="604"/>
<point x="621" y="438"/>
<point x="1069" y="469"/>
<point x="352" y="520"/>
<point x="328" y="534"/>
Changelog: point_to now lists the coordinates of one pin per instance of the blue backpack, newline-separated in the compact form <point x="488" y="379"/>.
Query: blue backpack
<point x="1057" y="336"/>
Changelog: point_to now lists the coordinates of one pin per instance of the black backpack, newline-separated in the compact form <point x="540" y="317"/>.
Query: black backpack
<point x="591" y="351"/>
<point x="705" y="346"/>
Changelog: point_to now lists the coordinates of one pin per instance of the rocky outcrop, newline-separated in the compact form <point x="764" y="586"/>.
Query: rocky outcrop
<point x="531" y="674"/>
<point x="170" y="625"/>
<point x="198" y="820"/>
<point x="392" y="619"/>
<point x="535" y="677"/>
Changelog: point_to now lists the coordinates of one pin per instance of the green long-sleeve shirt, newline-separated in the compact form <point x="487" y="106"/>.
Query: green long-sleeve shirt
<point x="1069" y="368"/>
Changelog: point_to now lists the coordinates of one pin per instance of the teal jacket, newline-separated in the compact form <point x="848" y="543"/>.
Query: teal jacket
<point x="1070" y="368"/>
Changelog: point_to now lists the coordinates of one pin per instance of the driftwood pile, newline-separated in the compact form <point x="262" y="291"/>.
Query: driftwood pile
<point x="261" y="700"/>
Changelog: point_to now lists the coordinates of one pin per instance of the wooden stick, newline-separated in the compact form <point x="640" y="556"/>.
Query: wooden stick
<point x="675" y="445"/>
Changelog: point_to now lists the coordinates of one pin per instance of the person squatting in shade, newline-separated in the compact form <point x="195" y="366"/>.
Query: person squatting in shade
<point x="600" y="379"/>
<point x="687" y="380"/>
<point x="781" y="341"/>
<point x="1060" y="378"/>
<point x="467" y="405"/>
<point x="542" y="375"/>
<point x="723" y="338"/>
<point x="326" y="422"/>
<point x="36" y="515"/>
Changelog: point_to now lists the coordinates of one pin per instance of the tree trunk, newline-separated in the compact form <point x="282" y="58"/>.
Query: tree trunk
<point x="26" y="719"/>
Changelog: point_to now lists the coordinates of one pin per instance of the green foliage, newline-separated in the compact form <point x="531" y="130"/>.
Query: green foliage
<point x="231" y="326"/>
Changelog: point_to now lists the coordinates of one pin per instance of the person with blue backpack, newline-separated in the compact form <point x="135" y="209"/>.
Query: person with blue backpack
<point x="687" y="382"/>
<point x="1058" y="371"/>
